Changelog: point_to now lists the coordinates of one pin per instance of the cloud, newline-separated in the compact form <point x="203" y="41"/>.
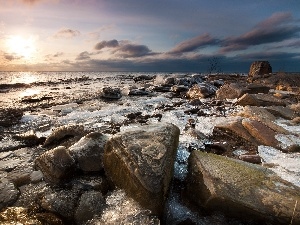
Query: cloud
<point x="66" y="33"/>
<point x="124" y="49"/>
<point x="107" y="44"/>
<point x="83" y="56"/>
<point x="194" y="44"/>
<point x="11" y="57"/>
<point x="50" y="57"/>
<point x="274" y="29"/>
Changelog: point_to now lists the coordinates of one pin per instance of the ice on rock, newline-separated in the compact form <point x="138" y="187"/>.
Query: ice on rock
<point x="285" y="165"/>
<point x="286" y="141"/>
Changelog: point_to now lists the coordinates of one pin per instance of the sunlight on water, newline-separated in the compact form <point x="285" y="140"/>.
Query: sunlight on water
<point x="29" y="92"/>
<point x="25" y="78"/>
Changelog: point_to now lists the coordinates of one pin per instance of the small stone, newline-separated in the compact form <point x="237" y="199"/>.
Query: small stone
<point x="251" y="158"/>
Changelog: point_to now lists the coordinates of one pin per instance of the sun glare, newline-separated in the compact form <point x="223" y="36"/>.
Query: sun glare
<point x="22" y="47"/>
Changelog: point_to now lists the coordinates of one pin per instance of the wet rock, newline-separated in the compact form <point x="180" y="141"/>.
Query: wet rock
<point x="20" y="215"/>
<point x="161" y="88"/>
<point x="241" y="189"/>
<point x="20" y="177"/>
<point x="231" y="91"/>
<point x="259" y="100"/>
<point x="91" y="203"/>
<point x="56" y="164"/>
<point x="111" y="93"/>
<point x="202" y="90"/>
<point x="35" y="98"/>
<point x="61" y="202"/>
<point x="122" y="209"/>
<point x="262" y="133"/>
<point x="179" y="89"/>
<point x="88" y="183"/>
<point x="8" y="193"/>
<point x="260" y="68"/>
<point x="10" y="116"/>
<point x="88" y="152"/>
<point x="141" y="162"/>
<point x="65" y="135"/>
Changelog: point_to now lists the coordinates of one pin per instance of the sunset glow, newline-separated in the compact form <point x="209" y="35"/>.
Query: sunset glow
<point x="22" y="47"/>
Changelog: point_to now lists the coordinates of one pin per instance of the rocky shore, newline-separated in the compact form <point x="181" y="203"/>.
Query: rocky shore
<point x="190" y="149"/>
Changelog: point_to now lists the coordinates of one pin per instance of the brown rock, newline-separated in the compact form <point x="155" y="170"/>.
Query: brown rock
<point x="241" y="189"/>
<point x="260" y="68"/>
<point x="261" y="132"/>
<point x="281" y="111"/>
<point x="56" y="164"/>
<point x="202" y="90"/>
<point x="231" y="91"/>
<point x="8" y="193"/>
<point x="259" y="100"/>
<point x="141" y="162"/>
<point x="251" y="158"/>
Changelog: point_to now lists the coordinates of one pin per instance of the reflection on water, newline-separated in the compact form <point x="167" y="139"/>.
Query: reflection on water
<point x="29" y="92"/>
<point x="25" y="78"/>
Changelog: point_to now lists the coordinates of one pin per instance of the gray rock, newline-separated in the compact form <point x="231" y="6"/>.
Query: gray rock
<point x="141" y="162"/>
<point x="10" y="116"/>
<point x="8" y="193"/>
<point x="281" y="111"/>
<point x="241" y="189"/>
<point x="122" y="209"/>
<point x="111" y="93"/>
<point x="60" y="202"/>
<point x="56" y="164"/>
<point x="90" y="204"/>
<point x="88" y="152"/>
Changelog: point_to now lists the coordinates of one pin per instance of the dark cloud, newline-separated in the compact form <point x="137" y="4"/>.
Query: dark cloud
<point x="124" y="49"/>
<point x="107" y="44"/>
<point x="66" y="33"/>
<point x="133" y="50"/>
<point x="277" y="28"/>
<point x="194" y="44"/>
<point x="83" y="56"/>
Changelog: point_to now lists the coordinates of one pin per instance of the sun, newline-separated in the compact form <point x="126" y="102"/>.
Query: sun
<point x="22" y="47"/>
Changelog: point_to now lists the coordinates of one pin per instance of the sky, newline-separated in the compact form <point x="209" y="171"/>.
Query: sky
<point x="142" y="35"/>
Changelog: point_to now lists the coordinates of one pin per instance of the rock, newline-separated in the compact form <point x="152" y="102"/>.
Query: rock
<point x="10" y="116"/>
<point x="143" y="78"/>
<point x="281" y="111"/>
<point x="263" y="134"/>
<point x="111" y="93"/>
<point x="62" y="134"/>
<point x="56" y="164"/>
<point x="88" y="183"/>
<point x="8" y="193"/>
<point x="122" y="209"/>
<point x="231" y="91"/>
<point x="88" y="152"/>
<point x="202" y="90"/>
<point x="259" y="100"/>
<point x="30" y="139"/>
<point x="20" y="215"/>
<point x="141" y="162"/>
<point x="262" y="115"/>
<point x="91" y="203"/>
<point x="61" y="202"/>
<point x="179" y="89"/>
<point x="138" y="92"/>
<point x="251" y="158"/>
<point x="241" y="189"/>
<point x="260" y="68"/>
<point x="257" y="88"/>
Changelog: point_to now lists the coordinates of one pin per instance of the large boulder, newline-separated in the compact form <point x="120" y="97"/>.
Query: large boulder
<point x="241" y="189"/>
<point x="88" y="152"/>
<point x="231" y="91"/>
<point x="56" y="164"/>
<point x="260" y="68"/>
<point x="141" y="162"/>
